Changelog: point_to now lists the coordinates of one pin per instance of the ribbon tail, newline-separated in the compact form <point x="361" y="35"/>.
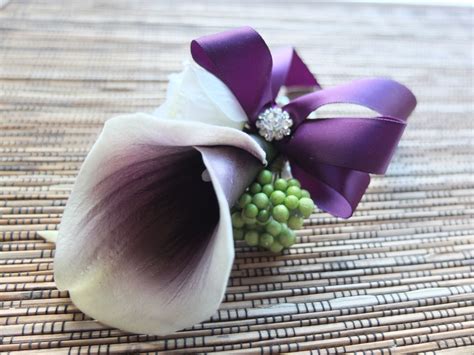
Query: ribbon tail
<point x="289" y="70"/>
<point x="335" y="190"/>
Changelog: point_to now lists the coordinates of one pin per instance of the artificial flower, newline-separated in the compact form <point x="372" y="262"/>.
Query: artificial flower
<point x="145" y="243"/>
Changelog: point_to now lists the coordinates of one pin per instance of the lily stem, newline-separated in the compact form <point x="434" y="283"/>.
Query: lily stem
<point x="277" y="163"/>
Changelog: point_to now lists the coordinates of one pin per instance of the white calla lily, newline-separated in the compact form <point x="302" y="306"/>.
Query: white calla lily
<point x="145" y="243"/>
<point x="197" y="95"/>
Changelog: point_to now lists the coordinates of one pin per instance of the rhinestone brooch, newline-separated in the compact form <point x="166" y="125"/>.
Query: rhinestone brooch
<point x="274" y="124"/>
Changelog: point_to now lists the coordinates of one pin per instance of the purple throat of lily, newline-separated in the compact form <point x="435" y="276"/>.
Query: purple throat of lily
<point x="233" y="155"/>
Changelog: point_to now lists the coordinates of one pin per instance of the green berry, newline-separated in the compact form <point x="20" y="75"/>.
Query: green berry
<point x="250" y="211"/>
<point x="294" y="191"/>
<point x="291" y="202"/>
<point x="281" y="184"/>
<point x="295" y="222"/>
<point x="284" y="229"/>
<point x="263" y="216"/>
<point x="260" y="200"/>
<point x="244" y="200"/>
<point x="306" y="206"/>
<point x="273" y="228"/>
<point x="277" y="197"/>
<point x="276" y="247"/>
<point x="280" y="213"/>
<point x="266" y="240"/>
<point x="251" y="238"/>
<point x="265" y="177"/>
<point x="267" y="189"/>
<point x="249" y="221"/>
<point x="287" y="239"/>
<point x="237" y="220"/>
<point x="238" y="234"/>
<point x="268" y="212"/>
<point x="294" y="182"/>
<point x="305" y="193"/>
<point x="255" y="188"/>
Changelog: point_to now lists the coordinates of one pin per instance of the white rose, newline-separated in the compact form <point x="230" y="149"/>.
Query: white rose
<point x="197" y="95"/>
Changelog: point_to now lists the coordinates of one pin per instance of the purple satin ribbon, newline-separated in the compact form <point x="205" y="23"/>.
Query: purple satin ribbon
<point x="332" y="158"/>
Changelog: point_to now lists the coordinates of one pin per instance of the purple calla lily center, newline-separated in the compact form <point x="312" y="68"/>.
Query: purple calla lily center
<point x="163" y="184"/>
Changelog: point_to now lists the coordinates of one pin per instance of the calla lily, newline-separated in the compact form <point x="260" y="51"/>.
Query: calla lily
<point x="145" y="243"/>
<point x="196" y="94"/>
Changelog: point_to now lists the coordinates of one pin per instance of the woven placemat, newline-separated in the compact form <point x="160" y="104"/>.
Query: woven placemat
<point x="398" y="277"/>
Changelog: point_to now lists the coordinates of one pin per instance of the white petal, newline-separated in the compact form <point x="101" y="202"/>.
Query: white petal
<point x="116" y="251"/>
<point x="220" y="94"/>
<point x="197" y="95"/>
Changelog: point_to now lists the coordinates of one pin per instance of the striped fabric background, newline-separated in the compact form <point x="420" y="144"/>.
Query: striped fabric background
<point x="396" y="278"/>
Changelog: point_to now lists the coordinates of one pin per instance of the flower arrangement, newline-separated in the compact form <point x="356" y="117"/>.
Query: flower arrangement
<point x="146" y="242"/>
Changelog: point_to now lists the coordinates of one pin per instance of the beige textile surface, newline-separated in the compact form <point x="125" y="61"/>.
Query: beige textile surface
<point x="398" y="277"/>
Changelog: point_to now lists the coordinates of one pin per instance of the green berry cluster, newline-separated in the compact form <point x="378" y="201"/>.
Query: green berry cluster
<point x="269" y="211"/>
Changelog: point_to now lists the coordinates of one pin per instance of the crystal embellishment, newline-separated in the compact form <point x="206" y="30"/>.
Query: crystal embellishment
<point x="274" y="124"/>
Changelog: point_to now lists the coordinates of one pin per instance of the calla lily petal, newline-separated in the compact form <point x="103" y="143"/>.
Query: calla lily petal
<point x="145" y="244"/>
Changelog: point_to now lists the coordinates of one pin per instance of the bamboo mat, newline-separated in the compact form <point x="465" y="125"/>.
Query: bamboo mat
<point x="396" y="278"/>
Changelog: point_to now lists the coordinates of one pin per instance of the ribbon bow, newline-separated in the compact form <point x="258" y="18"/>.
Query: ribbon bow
<point x="332" y="158"/>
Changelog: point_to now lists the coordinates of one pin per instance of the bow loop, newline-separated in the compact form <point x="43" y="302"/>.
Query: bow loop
<point x="385" y="96"/>
<point x="354" y="143"/>
<point x="339" y="152"/>
<point x="242" y="60"/>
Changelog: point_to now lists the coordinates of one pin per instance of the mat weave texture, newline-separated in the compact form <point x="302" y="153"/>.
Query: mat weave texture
<point x="398" y="277"/>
